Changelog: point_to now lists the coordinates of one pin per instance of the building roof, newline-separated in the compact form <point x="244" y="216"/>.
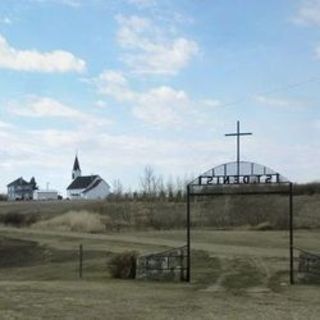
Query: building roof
<point x="95" y="184"/>
<point x="18" y="182"/>
<point x="82" y="182"/>
<point x="46" y="191"/>
<point x="76" y="165"/>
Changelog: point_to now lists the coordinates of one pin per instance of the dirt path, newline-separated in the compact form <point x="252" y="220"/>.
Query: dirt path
<point x="120" y="241"/>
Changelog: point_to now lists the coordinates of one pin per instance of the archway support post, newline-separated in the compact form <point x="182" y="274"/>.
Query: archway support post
<point x="188" y="277"/>
<point x="291" y="233"/>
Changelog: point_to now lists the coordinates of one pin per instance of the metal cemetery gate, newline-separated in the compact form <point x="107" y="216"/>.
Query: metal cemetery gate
<point x="243" y="178"/>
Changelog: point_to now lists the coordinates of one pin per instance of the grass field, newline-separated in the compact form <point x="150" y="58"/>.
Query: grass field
<point x="218" y="212"/>
<point x="236" y="275"/>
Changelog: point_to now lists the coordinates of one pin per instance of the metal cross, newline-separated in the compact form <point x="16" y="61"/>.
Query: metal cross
<point x="238" y="134"/>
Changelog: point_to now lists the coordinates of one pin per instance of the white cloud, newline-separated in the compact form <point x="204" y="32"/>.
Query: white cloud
<point x="114" y="84"/>
<point x="309" y="13"/>
<point x="70" y="3"/>
<point x="44" y="107"/>
<point x="272" y="102"/>
<point x="41" y="107"/>
<point x="143" y="3"/>
<point x="5" y="125"/>
<point x="54" y="138"/>
<point x="33" y="60"/>
<point x="317" y="52"/>
<point x="100" y="104"/>
<point x="316" y="124"/>
<point x="211" y="103"/>
<point x="5" y="20"/>
<point x="279" y="102"/>
<point x="161" y="106"/>
<point x="149" y="50"/>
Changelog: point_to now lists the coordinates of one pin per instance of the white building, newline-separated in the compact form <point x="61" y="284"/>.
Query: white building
<point x="45" y="195"/>
<point x="86" y="187"/>
<point x="21" y="189"/>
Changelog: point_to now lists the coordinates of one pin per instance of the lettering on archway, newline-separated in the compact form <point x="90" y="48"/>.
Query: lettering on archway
<point x="249" y="173"/>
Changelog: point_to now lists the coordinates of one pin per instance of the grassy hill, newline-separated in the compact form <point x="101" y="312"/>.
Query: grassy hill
<point x="217" y="212"/>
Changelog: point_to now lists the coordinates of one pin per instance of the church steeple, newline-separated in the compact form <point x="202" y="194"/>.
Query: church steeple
<point x="76" y="171"/>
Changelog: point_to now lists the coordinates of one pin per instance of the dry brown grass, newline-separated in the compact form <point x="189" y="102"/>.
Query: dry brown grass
<point x="77" y="221"/>
<point x="217" y="212"/>
<point x="247" y="281"/>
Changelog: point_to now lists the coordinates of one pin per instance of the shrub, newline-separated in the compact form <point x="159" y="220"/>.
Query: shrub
<point x="3" y="197"/>
<point x="14" y="219"/>
<point x="18" y="220"/>
<point x="307" y="188"/>
<point x="123" y="265"/>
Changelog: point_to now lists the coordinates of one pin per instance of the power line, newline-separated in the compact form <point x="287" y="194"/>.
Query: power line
<point x="287" y="87"/>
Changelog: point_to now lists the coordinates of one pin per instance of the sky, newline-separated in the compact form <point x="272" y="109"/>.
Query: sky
<point x="133" y="83"/>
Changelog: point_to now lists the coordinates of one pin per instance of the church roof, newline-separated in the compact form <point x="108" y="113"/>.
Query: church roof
<point x="82" y="182"/>
<point x="95" y="184"/>
<point x="76" y="165"/>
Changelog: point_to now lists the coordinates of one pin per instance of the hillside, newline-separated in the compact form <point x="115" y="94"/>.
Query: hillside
<point x="216" y="212"/>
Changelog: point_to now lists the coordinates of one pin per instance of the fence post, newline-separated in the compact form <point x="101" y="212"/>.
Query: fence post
<point x="80" y="260"/>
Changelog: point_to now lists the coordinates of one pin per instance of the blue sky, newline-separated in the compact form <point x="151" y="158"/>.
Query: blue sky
<point x="130" y="83"/>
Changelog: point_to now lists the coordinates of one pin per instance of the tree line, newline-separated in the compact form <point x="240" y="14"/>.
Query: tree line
<point x="153" y="186"/>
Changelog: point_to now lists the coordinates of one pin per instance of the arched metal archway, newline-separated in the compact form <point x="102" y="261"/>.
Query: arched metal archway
<point x="240" y="178"/>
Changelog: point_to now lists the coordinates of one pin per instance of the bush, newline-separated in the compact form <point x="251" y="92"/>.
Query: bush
<point x="123" y="265"/>
<point x="13" y="219"/>
<point x="307" y="188"/>
<point x="18" y="220"/>
<point x="3" y="197"/>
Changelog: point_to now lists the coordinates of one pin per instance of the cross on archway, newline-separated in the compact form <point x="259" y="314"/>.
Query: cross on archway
<point x="238" y="134"/>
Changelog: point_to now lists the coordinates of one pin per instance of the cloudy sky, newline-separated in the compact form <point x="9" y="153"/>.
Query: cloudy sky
<point x="130" y="83"/>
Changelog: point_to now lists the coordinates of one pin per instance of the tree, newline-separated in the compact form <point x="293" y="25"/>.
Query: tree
<point x="117" y="189"/>
<point x="34" y="184"/>
<point x="170" y="189"/>
<point x="149" y="183"/>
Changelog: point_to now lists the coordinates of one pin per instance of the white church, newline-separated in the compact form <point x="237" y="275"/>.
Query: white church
<point x="91" y="187"/>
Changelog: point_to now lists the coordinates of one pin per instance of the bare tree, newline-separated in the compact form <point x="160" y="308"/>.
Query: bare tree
<point x="170" y="188"/>
<point x="161" y="188"/>
<point x="117" y="188"/>
<point x="149" y="182"/>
